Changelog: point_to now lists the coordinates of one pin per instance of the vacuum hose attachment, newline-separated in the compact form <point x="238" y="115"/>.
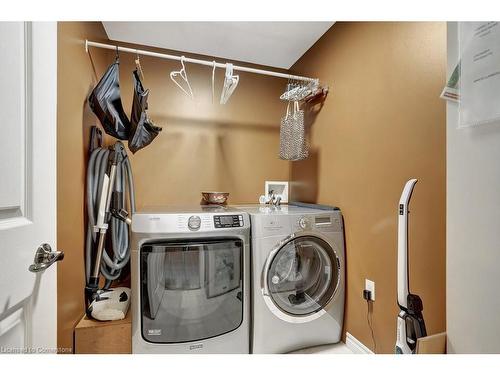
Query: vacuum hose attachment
<point x="113" y="259"/>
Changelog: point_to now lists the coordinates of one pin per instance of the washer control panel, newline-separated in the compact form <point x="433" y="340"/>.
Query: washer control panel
<point x="194" y="222"/>
<point x="228" y="221"/>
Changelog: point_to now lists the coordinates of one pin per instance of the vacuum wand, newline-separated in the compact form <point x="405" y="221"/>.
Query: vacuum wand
<point x="103" y="216"/>
<point x="101" y="226"/>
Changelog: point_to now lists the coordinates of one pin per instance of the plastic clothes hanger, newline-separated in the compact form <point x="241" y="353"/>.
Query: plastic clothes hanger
<point x="230" y="83"/>
<point x="182" y="73"/>
<point x="213" y="83"/>
<point x="291" y="91"/>
<point x="299" y="91"/>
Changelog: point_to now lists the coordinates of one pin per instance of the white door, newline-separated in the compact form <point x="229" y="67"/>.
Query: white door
<point x="28" y="88"/>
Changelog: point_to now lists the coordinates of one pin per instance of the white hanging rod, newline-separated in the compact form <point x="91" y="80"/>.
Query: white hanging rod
<point x="89" y="43"/>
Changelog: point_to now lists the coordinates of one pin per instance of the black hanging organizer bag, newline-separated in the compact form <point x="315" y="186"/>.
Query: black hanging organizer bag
<point x="105" y="101"/>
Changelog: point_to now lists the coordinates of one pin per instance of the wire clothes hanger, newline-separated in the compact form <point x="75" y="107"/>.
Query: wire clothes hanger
<point x="182" y="73"/>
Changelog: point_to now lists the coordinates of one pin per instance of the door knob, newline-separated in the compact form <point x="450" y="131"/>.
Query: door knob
<point x="45" y="257"/>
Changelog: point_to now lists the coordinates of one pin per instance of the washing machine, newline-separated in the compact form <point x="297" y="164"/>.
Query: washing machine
<point x="298" y="277"/>
<point x="190" y="271"/>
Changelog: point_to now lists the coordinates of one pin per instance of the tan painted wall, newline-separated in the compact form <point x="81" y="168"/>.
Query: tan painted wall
<point x="75" y="80"/>
<point x="205" y="145"/>
<point x="202" y="146"/>
<point x="382" y="124"/>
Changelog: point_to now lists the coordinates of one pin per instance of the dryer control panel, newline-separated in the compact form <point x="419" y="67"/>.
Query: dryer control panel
<point x="190" y="221"/>
<point x="228" y="221"/>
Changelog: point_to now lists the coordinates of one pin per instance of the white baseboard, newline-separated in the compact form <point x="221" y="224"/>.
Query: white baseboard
<point x="356" y="346"/>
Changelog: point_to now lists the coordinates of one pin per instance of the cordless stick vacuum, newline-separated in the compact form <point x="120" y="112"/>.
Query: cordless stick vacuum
<point x="410" y="322"/>
<point x="105" y="304"/>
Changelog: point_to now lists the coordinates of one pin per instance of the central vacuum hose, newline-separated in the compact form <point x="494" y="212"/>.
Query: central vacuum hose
<point x="111" y="265"/>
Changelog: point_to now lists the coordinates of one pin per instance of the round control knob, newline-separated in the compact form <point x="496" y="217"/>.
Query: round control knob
<point x="194" y="222"/>
<point x="275" y="279"/>
<point x="303" y="222"/>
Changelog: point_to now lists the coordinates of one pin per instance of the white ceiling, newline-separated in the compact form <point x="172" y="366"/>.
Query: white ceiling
<point x="276" y="44"/>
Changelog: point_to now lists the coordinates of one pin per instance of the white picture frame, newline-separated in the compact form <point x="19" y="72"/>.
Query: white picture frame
<point x="280" y="189"/>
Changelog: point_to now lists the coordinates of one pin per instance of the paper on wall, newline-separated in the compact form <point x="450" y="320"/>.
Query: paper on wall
<point x="479" y="44"/>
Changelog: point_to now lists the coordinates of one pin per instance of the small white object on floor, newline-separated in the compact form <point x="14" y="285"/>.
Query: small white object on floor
<point x="340" y="348"/>
<point x="112" y="304"/>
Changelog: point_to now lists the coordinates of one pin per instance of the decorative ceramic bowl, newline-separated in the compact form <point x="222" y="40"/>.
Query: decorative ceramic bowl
<point x="214" y="197"/>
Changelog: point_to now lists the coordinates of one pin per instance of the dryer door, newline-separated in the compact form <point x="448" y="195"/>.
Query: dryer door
<point x="301" y="278"/>
<point x="191" y="290"/>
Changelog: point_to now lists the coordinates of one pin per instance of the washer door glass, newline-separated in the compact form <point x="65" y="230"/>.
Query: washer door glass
<point x="303" y="276"/>
<point x="191" y="290"/>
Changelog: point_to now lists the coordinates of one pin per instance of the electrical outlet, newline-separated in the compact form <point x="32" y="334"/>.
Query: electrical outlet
<point x="370" y="285"/>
